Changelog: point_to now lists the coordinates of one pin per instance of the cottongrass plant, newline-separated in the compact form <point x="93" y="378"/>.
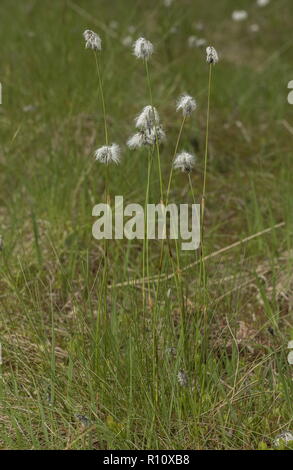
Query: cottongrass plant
<point x="150" y="134"/>
<point x="106" y="154"/>
<point x="186" y="162"/>
<point x="185" y="104"/>
<point x="212" y="58"/>
<point x="144" y="49"/>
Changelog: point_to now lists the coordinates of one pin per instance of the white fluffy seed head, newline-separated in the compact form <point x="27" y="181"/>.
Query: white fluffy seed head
<point x="148" y="118"/>
<point x="239" y="15"/>
<point x="184" y="161"/>
<point x="108" y="154"/>
<point x="186" y="104"/>
<point x="212" y="55"/>
<point x="262" y="3"/>
<point x="136" y="141"/>
<point x="147" y="137"/>
<point x="92" y="40"/>
<point x="155" y="134"/>
<point x="143" y="49"/>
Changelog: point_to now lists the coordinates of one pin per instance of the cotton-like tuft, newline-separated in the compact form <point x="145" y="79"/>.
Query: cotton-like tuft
<point x="148" y="118"/>
<point x="143" y="49"/>
<point x="136" y="141"/>
<point x="262" y="3"/>
<point x="92" y="40"/>
<point x="212" y="55"/>
<point x="184" y="161"/>
<point x="186" y="104"/>
<point x="155" y="134"/>
<point x="108" y="154"/>
<point x="239" y="15"/>
<point x="147" y="137"/>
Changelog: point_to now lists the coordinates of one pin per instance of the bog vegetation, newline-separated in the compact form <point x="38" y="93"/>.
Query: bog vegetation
<point x="137" y="344"/>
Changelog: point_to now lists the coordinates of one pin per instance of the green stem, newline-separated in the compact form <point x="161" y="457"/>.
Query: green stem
<point x="206" y="141"/>
<point x="202" y="262"/>
<point x="157" y="143"/>
<point x="102" y="97"/>
<point x="175" y="151"/>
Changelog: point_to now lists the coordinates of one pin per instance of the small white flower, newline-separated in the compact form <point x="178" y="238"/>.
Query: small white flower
<point x="184" y="161"/>
<point x="187" y="104"/>
<point x="143" y="49"/>
<point x="148" y="118"/>
<point x="108" y="154"/>
<point x="290" y="358"/>
<point x="239" y="15"/>
<point x="262" y="3"/>
<point x="212" y="55"/>
<point x="284" y="437"/>
<point x="182" y="378"/>
<point x="254" y="28"/>
<point x="92" y="40"/>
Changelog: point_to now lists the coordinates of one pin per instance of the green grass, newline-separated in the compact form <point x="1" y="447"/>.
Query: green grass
<point x="67" y="384"/>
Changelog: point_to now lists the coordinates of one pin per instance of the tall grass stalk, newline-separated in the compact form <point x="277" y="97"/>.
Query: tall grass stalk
<point x="104" y="282"/>
<point x="202" y="262"/>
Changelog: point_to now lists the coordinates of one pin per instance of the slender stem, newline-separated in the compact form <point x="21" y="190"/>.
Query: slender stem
<point x="202" y="266"/>
<point x="145" y="266"/>
<point x="206" y="142"/>
<point x="191" y="188"/>
<point x="175" y="151"/>
<point x="202" y="262"/>
<point x="102" y="96"/>
<point x="104" y="283"/>
<point x="157" y="143"/>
